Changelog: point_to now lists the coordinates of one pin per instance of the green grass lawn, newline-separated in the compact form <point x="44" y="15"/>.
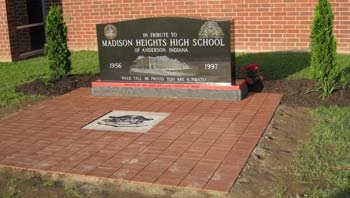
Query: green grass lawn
<point x="325" y="158"/>
<point x="274" y="65"/>
<point x="283" y="65"/>
<point x="17" y="73"/>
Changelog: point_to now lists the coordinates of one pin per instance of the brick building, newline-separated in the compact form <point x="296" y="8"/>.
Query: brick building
<point x="259" y="25"/>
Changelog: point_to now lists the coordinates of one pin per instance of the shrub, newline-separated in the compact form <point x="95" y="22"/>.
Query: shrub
<point x="323" y="47"/>
<point x="323" y="43"/>
<point x="56" y="47"/>
<point x="326" y="88"/>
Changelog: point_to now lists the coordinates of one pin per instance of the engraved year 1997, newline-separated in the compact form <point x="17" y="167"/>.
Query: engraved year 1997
<point x="211" y="66"/>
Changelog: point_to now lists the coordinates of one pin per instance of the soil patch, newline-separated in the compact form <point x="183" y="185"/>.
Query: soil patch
<point x="58" y="87"/>
<point x="18" y="183"/>
<point x="294" y="93"/>
<point x="269" y="167"/>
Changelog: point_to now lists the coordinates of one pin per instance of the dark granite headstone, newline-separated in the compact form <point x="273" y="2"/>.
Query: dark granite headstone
<point x="166" y="50"/>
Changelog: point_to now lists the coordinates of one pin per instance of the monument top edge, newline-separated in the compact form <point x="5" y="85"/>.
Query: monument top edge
<point x="169" y="18"/>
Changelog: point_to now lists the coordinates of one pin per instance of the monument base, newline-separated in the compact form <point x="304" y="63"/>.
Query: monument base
<point x="155" y="90"/>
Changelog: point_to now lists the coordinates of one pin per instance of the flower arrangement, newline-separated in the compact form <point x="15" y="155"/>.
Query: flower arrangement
<point x="253" y="77"/>
<point x="252" y="74"/>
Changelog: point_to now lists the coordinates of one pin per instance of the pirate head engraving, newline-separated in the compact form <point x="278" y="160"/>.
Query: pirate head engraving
<point x="211" y="29"/>
<point x="110" y="31"/>
<point x="125" y="121"/>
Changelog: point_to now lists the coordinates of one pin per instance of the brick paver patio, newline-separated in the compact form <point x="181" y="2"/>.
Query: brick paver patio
<point x="201" y="144"/>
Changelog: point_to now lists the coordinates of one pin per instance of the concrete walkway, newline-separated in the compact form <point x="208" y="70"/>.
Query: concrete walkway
<point x="201" y="144"/>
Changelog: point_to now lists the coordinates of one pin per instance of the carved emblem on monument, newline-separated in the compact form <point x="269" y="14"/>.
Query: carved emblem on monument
<point x="211" y="29"/>
<point x="110" y="32"/>
<point x="161" y="66"/>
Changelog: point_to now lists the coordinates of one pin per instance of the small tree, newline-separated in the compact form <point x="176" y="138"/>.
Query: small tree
<point x="323" y="43"/>
<point x="323" y="50"/>
<point x="56" y="47"/>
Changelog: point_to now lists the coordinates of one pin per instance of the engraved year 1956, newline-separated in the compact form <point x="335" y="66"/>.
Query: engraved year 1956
<point x="211" y="66"/>
<point x="115" y="65"/>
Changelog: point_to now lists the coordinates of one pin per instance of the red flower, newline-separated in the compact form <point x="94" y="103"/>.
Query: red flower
<point x="249" y="80"/>
<point x="261" y="77"/>
<point x="251" y="67"/>
<point x="255" y="68"/>
<point x="247" y="67"/>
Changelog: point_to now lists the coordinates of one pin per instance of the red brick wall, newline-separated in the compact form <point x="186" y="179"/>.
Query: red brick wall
<point x="260" y="25"/>
<point x="5" y="50"/>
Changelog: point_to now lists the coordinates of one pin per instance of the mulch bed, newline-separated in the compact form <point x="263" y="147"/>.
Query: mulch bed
<point x="293" y="90"/>
<point x="294" y="93"/>
<point x="57" y="87"/>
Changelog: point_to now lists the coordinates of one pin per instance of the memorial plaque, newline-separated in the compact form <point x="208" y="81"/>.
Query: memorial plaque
<point x="166" y="50"/>
<point x="127" y="121"/>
